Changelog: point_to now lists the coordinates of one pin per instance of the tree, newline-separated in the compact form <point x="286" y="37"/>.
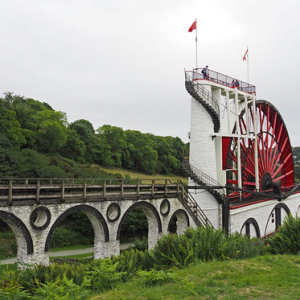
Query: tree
<point x="142" y="156"/>
<point x="10" y="128"/>
<point x="86" y="133"/>
<point x="51" y="132"/>
<point x="74" y="148"/>
<point x="113" y="140"/>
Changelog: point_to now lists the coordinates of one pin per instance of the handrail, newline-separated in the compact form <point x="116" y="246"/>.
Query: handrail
<point x="195" y="211"/>
<point x="204" y="178"/>
<point x="17" y="190"/>
<point x="204" y="93"/>
<point x="222" y="79"/>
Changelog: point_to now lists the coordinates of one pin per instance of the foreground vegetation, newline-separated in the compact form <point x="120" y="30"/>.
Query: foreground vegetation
<point x="262" y="277"/>
<point x="201" y="264"/>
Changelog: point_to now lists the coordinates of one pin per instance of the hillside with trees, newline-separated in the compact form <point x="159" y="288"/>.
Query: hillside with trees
<point x="37" y="141"/>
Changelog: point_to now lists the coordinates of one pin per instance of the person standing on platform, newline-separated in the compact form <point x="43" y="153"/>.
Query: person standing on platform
<point x="205" y="73"/>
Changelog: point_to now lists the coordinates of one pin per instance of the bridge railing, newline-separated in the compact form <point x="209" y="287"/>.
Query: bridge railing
<point x="222" y="79"/>
<point x="17" y="190"/>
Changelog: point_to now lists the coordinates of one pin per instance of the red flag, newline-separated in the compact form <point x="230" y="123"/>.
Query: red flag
<point x="193" y="27"/>
<point x="244" y="58"/>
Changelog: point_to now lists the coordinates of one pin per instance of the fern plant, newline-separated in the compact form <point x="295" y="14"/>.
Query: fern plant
<point x="154" y="277"/>
<point x="287" y="238"/>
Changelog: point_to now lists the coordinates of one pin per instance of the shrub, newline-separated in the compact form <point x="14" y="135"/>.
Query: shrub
<point x="141" y="244"/>
<point x="287" y="239"/>
<point x="64" y="289"/>
<point x="104" y="276"/>
<point x="14" y="293"/>
<point x="65" y="237"/>
<point x="8" y="244"/>
<point x="53" y="272"/>
<point x="201" y="244"/>
<point x="131" y="261"/>
<point x="173" y="251"/>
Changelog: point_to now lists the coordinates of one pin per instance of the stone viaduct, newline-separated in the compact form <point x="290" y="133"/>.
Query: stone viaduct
<point x="33" y="208"/>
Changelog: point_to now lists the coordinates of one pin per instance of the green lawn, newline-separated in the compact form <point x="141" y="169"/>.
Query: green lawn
<point x="263" y="277"/>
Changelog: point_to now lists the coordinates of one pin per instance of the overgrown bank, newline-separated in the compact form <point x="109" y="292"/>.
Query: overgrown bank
<point x="200" y="263"/>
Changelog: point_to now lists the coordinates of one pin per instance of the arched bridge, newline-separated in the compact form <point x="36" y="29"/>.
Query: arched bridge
<point x="33" y="208"/>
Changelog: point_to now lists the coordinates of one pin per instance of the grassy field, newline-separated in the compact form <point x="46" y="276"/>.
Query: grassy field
<point x="263" y="277"/>
<point x="136" y="175"/>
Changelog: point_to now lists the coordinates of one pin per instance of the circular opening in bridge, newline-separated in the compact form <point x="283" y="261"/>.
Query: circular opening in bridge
<point x="134" y="230"/>
<point x="40" y="218"/>
<point x="165" y="207"/>
<point x="113" y="212"/>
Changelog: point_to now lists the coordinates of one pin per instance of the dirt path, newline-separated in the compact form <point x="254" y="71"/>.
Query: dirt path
<point x="66" y="253"/>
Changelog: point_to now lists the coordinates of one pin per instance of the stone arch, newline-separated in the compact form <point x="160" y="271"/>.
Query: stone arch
<point x="95" y="217"/>
<point x="183" y="221"/>
<point x="276" y="216"/>
<point x="24" y="239"/>
<point x="154" y="221"/>
<point x="251" y="222"/>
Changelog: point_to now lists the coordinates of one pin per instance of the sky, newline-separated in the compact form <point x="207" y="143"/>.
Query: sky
<point x="122" y="62"/>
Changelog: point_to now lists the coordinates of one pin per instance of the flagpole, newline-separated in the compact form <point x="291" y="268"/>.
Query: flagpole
<point x="196" y="47"/>
<point x="248" y="64"/>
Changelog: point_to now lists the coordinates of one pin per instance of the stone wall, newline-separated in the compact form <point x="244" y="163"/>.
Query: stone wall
<point x="34" y="225"/>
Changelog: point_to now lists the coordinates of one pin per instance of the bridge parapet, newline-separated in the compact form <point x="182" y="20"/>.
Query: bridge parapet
<point x="20" y="191"/>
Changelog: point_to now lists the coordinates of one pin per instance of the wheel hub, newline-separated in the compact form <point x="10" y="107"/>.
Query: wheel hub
<point x="267" y="182"/>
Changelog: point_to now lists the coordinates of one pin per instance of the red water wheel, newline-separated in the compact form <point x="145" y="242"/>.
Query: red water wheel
<point x="275" y="159"/>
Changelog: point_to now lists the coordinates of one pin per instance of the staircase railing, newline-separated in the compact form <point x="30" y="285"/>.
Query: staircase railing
<point x="194" y="209"/>
<point x="214" y="187"/>
<point x="201" y="94"/>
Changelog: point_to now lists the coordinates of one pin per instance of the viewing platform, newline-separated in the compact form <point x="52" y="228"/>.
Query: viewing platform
<point x="222" y="81"/>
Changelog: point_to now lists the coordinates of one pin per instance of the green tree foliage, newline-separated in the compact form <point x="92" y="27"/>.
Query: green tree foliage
<point x="74" y="148"/>
<point x="135" y="225"/>
<point x="10" y="129"/>
<point x="86" y="133"/>
<point x="142" y="156"/>
<point x="113" y="145"/>
<point x="170" y="153"/>
<point x="34" y="126"/>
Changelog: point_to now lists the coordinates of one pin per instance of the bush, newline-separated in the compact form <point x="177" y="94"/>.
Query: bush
<point x="8" y="244"/>
<point x="141" y="244"/>
<point x="203" y="244"/>
<point x="62" y="289"/>
<point x="287" y="239"/>
<point x="104" y="276"/>
<point x="65" y="237"/>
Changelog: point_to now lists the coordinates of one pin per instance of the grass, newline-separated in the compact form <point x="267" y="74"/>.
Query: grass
<point x="137" y="175"/>
<point x="70" y="248"/>
<point x="78" y="256"/>
<point x="263" y="277"/>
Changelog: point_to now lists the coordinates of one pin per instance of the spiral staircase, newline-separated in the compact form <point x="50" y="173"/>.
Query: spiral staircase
<point x="204" y="97"/>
